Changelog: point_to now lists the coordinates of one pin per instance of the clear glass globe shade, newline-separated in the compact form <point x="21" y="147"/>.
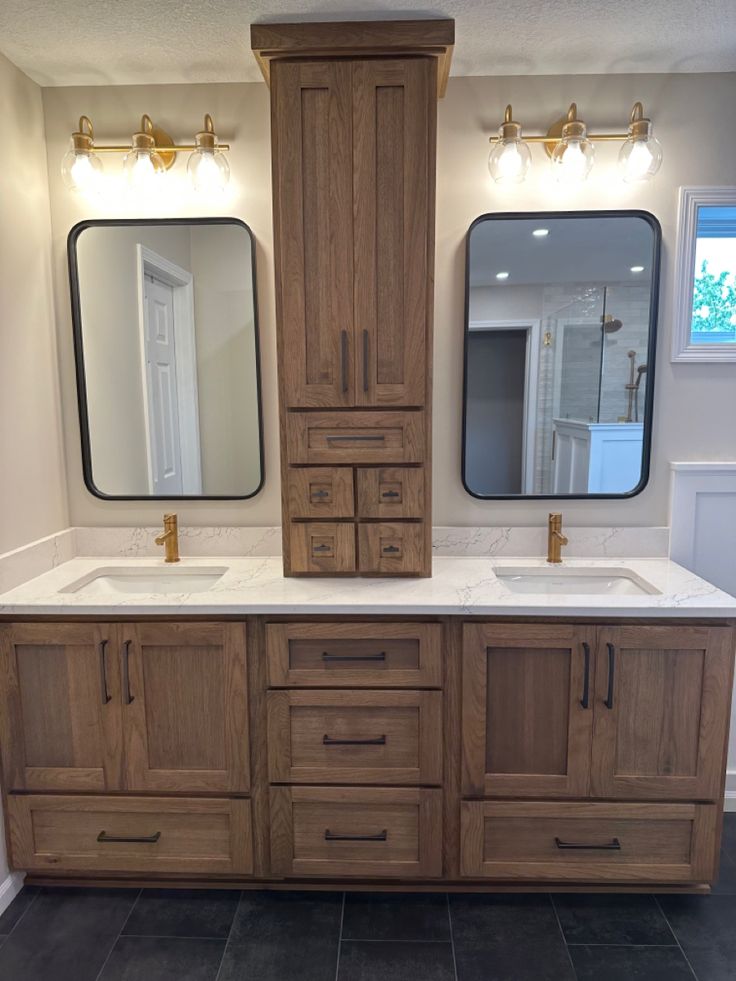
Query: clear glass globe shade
<point x="572" y="160"/>
<point x="208" y="170"/>
<point x="81" y="171"/>
<point x="509" y="161"/>
<point x="640" y="158"/>
<point x="143" y="169"/>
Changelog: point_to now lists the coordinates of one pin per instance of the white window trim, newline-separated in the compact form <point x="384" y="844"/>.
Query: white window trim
<point x="692" y="198"/>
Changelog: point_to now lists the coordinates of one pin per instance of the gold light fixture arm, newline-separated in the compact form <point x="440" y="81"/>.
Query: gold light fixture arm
<point x="151" y="136"/>
<point x="554" y="133"/>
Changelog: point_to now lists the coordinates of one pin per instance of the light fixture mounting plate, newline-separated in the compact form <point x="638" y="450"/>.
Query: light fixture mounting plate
<point x="162" y="138"/>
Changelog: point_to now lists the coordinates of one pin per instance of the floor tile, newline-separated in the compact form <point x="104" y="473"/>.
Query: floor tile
<point x="504" y="917"/>
<point x="183" y="913"/>
<point x="395" y="961"/>
<point x="706" y="928"/>
<point x="729" y="834"/>
<point x="286" y="916"/>
<point x="726" y="885"/>
<point x="630" y="964"/>
<point x="65" y="935"/>
<point x="545" y="960"/>
<point x="163" y="959"/>
<point x="612" y="919"/>
<point x="17" y="908"/>
<point x="393" y="916"/>
<point x="302" y="959"/>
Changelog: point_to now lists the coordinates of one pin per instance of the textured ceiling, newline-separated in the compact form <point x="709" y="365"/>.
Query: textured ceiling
<point x="109" y="42"/>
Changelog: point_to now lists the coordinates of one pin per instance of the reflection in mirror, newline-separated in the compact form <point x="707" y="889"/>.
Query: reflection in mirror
<point x="166" y="340"/>
<point x="559" y="354"/>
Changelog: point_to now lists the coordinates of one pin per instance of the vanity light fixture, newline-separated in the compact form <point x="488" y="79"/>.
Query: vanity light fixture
<point x="143" y="164"/>
<point x="81" y="168"/>
<point x="573" y="157"/>
<point x="641" y="155"/>
<point x="207" y="167"/>
<point x="510" y="158"/>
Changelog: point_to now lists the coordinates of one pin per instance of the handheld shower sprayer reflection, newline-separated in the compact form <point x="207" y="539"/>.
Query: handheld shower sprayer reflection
<point x="632" y="389"/>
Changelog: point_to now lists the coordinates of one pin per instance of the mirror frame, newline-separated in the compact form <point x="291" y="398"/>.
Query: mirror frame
<point x="651" y="359"/>
<point x="82" y="402"/>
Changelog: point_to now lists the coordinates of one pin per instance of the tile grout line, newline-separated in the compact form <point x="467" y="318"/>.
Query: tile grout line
<point x="22" y="915"/>
<point x="677" y="939"/>
<point x="339" y="939"/>
<point x="452" y="935"/>
<point x="120" y="932"/>
<point x="229" y="935"/>
<point x="562" y="934"/>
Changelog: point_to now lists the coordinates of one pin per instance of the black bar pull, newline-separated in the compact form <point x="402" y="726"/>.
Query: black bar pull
<point x="585" y="700"/>
<point x="611" y="669"/>
<point x="375" y="741"/>
<point x="320" y="493"/>
<point x="390" y="549"/>
<point x="128" y="695"/>
<point x="390" y="493"/>
<point x="322" y="548"/>
<point x="611" y="846"/>
<point x="353" y="657"/>
<point x="366" y="351"/>
<point x="334" y="836"/>
<point x="138" y="839"/>
<point x="344" y="360"/>
<point x="106" y="696"/>
<point x="355" y="438"/>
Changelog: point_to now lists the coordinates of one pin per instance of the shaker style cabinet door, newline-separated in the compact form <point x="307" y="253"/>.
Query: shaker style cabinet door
<point x="60" y="707"/>
<point x="393" y="153"/>
<point x="313" y="223"/>
<point x="661" y="718"/>
<point x="185" y="706"/>
<point x="527" y="714"/>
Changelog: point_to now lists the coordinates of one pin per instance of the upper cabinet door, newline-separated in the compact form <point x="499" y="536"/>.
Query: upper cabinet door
<point x="60" y="707"/>
<point x="313" y="222"/>
<point x="661" y="719"/>
<point x="186" y="707"/>
<point x="393" y="152"/>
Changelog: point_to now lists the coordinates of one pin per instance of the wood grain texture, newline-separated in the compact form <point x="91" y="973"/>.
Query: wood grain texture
<point x="391" y="549"/>
<point x="321" y="492"/>
<point x="390" y="492"/>
<point x="355" y="437"/>
<point x="327" y="547"/>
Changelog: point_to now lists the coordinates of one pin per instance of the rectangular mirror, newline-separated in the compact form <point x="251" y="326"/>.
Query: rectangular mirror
<point x="560" y="333"/>
<point x="166" y="345"/>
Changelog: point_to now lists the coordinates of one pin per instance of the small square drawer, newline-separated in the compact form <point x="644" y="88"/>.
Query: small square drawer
<point x="352" y="831"/>
<point x="355" y="437"/>
<point x="391" y="492"/>
<point x="392" y="548"/>
<point x="355" y="655"/>
<point x="355" y="737"/>
<point x="317" y="547"/>
<point x="321" y="492"/>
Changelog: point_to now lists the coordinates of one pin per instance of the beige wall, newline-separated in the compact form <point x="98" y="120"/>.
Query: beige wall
<point x="694" y="403"/>
<point x="33" y="482"/>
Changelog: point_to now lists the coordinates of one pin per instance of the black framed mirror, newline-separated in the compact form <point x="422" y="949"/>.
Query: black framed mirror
<point x="166" y="344"/>
<point x="559" y="354"/>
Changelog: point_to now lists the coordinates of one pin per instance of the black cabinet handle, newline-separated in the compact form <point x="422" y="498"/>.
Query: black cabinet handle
<point x="611" y="846"/>
<point x="366" y="342"/>
<point x="355" y="438"/>
<point x="320" y="493"/>
<point x="138" y="839"/>
<point x="375" y="741"/>
<point x="129" y="697"/>
<point x="322" y="548"/>
<point x="344" y="360"/>
<point x="334" y="836"/>
<point x="390" y="549"/>
<point x="353" y="657"/>
<point x="106" y="696"/>
<point x="611" y="669"/>
<point x="585" y="700"/>
<point x="390" y="493"/>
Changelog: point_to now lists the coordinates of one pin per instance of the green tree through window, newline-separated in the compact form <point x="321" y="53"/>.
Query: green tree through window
<point x="714" y="302"/>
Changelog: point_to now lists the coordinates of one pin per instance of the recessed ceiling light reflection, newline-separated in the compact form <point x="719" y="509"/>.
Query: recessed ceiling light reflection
<point x="540" y="232"/>
<point x="502" y="275"/>
<point x="637" y="269"/>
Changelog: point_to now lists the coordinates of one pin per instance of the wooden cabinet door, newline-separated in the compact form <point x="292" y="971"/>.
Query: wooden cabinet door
<point x="527" y="710"/>
<point x="661" y="712"/>
<point x="185" y="707"/>
<point x="313" y="225"/>
<point x="393" y="153"/>
<point x="60" y="707"/>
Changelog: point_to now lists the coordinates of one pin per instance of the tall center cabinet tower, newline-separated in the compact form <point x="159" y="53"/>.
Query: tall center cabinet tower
<point x="353" y="123"/>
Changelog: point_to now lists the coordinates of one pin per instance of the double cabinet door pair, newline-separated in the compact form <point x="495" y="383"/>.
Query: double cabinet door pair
<point x="101" y="707"/>
<point x="618" y="712"/>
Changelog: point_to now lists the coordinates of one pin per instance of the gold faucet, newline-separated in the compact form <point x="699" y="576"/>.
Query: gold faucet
<point x="555" y="538"/>
<point x="170" y="538"/>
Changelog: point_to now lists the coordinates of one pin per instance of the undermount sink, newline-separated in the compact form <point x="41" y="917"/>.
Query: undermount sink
<point x="146" y="579"/>
<point x="574" y="582"/>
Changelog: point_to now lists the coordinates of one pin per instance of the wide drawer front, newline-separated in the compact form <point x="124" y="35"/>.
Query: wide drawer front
<point x="355" y="737"/>
<point x="588" y="841"/>
<point x="130" y="834"/>
<point x="355" y="437"/>
<point x="363" y="832"/>
<point x="354" y="655"/>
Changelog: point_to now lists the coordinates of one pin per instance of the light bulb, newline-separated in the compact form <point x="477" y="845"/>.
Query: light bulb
<point x="81" y="171"/>
<point x="572" y="158"/>
<point x="640" y="158"/>
<point x="208" y="171"/>
<point x="143" y="168"/>
<point x="510" y="158"/>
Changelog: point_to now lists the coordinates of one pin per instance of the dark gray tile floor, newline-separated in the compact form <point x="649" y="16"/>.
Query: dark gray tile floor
<point x="214" y="935"/>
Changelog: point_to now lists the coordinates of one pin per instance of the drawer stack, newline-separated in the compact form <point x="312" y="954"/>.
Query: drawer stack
<point x="355" y="749"/>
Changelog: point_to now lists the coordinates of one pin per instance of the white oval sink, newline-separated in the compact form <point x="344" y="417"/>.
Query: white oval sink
<point x="574" y="581"/>
<point x="146" y="579"/>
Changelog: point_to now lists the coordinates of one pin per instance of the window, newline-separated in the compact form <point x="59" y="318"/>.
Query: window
<point x="705" y="328"/>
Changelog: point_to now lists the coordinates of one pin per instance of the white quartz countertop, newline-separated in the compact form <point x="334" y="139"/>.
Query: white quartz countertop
<point x="463" y="585"/>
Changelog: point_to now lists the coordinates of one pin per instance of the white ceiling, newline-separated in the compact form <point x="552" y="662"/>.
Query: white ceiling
<point x="123" y="42"/>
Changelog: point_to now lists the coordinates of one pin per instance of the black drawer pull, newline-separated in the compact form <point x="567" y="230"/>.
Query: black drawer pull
<point x="612" y="846"/>
<point x="375" y="741"/>
<point x="366" y="438"/>
<point x="390" y="494"/>
<point x="322" y="548"/>
<point x="585" y="700"/>
<point x="129" y="696"/>
<point x="353" y="657"/>
<point x="320" y="493"/>
<point x="390" y="549"/>
<point x="106" y="696"/>
<point x="366" y="355"/>
<point x="123" y="839"/>
<point x="611" y="668"/>
<point x="344" y="360"/>
<point x="335" y="836"/>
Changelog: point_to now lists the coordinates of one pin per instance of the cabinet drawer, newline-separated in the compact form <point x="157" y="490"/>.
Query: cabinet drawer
<point x="355" y="437"/>
<point x="355" y="737"/>
<point x="320" y="492"/>
<point x="355" y="655"/>
<point x="392" y="549"/>
<point x="326" y="548"/>
<point x="391" y="492"/>
<point x="566" y="842"/>
<point x="130" y="834"/>
<point x="349" y="831"/>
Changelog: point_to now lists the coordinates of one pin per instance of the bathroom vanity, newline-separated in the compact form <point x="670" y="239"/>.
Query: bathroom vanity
<point x="492" y="727"/>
